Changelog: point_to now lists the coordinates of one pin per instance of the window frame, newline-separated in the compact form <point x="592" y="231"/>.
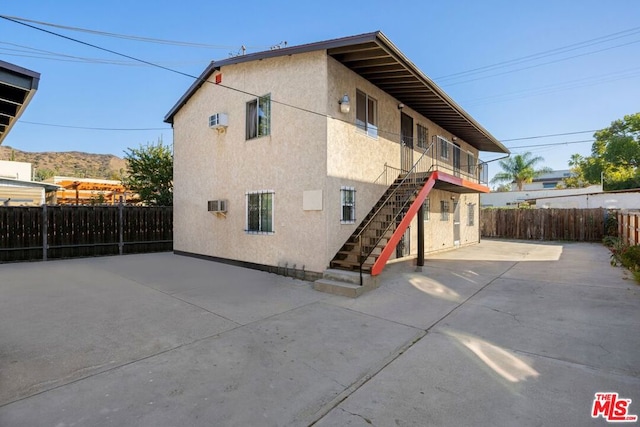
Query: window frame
<point x="344" y="203"/>
<point x="422" y="136"/>
<point x="444" y="210"/>
<point x="471" y="214"/>
<point x="444" y="148"/>
<point x="261" y="126"/>
<point x="370" y="123"/>
<point x="261" y="210"/>
<point x="426" y="209"/>
<point x="471" y="163"/>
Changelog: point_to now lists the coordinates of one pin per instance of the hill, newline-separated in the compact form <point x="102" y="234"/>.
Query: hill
<point x="70" y="163"/>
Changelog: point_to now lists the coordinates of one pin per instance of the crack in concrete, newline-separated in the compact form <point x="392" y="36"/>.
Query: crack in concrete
<point x="367" y="420"/>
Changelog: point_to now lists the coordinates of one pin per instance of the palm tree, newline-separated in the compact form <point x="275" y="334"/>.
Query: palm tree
<point x="520" y="169"/>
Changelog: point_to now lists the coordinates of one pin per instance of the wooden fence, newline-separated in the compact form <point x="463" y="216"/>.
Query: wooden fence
<point x="583" y="225"/>
<point x="48" y="232"/>
<point x="629" y="227"/>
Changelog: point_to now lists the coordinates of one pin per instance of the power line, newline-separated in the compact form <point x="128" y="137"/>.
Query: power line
<point x="125" y="36"/>
<point x="552" y="144"/>
<point x="549" y="135"/>
<point x="91" y="128"/>
<point x="551" y="52"/>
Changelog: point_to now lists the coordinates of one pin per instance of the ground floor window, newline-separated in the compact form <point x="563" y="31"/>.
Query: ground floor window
<point x="348" y="205"/>
<point x="444" y="210"/>
<point x="426" y="207"/>
<point x="260" y="212"/>
<point x="471" y="214"/>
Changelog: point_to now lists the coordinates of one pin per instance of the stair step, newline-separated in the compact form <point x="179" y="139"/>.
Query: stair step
<point x="339" y="288"/>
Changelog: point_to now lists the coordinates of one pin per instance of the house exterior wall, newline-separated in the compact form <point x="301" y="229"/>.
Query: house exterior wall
<point x="291" y="160"/>
<point x="357" y="159"/>
<point x="512" y="198"/>
<point x="311" y="153"/>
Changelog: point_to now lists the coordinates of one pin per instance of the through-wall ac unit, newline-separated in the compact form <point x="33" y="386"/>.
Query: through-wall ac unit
<point x="217" y="206"/>
<point x="218" y="121"/>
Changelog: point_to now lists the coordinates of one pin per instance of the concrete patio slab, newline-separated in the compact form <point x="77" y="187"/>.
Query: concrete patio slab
<point x="281" y="371"/>
<point x="499" y="334"/>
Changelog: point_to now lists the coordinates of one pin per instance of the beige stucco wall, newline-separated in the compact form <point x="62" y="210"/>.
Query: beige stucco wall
<point x="319" y="149"/>
<point x="211" y="165"/>
<point x="357" y="159"/>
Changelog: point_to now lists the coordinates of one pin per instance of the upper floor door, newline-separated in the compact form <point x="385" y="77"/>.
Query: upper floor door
<point x="406" y="142"/>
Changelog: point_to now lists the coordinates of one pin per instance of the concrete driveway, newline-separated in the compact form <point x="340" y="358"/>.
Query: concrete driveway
<point x="500" y="334"/>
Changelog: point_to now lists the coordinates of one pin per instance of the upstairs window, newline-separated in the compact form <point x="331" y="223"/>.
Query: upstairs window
<point x="259" y="117"/>
<point x="367" y="114"/>
<point x="423" y="136"/>
<point x="444" y="148"/>
<point x="260" y="212"/>
<point x="471" y="163"/>
<point x="348" y="205"/>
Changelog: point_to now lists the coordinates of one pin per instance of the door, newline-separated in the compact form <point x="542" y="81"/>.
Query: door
<point x="406" y="142"/>
<point x="456" y="159"/>
<point x="456" y="223"/>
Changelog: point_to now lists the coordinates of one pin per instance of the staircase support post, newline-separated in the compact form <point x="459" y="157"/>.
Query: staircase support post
<point x="420" y="261"/>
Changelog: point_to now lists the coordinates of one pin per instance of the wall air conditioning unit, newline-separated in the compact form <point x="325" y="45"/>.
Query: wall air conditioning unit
<point x="217" y="206"/>
<point x="219" y="121"/>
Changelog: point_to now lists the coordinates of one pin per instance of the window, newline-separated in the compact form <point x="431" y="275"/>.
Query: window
<point x="549" y="184"/>
<point x="260" y="212"/>
<point x="471" y="163"/>
<point x="423" y="136"/>
<point x="444" y="210"/>
<point x="444" y="148"/>
<point x="471" y="214"/>
<point x="426" y="207"/>
<point x="259" y="117"/>
<point x="366" y="114"/>
<point x="348" y="205"/>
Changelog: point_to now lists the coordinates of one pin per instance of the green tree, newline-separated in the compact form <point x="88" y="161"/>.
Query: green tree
<point x="44" y="173"/>
<point x="150" y="173"/>
<point x="615" y="155"/>
<point x="520" y="169"/>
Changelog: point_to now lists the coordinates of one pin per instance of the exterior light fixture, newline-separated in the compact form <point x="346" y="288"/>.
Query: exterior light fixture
<point x="345" y="106"/>
<point x="400" y="106"/>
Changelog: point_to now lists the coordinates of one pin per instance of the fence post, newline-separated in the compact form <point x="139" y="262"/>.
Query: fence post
<point x="45" y="232"/>
<point x="120" y="227"/>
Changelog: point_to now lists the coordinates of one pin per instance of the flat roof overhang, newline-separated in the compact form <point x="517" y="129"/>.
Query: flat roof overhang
<point x="376" y="59"/>
<point x="17" y="87"/>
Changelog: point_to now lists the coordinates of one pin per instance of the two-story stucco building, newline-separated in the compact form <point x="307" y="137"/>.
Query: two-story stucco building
<point x="285" y="160"/>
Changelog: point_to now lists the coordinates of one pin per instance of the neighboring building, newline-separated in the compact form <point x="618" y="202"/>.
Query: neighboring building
<point x="546" y="181"/>
<point x="16" y="192"/>
<point x="17" y="87"/>
<point x="91" y="191"/>
<point x="622" y="199"/>
<point x="15" y="170"/>
<point x="284" y="160"/>
<point x="513" y="199"/>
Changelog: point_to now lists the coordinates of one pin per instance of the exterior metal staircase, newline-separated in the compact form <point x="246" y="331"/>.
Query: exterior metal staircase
<point x="363" y="248"/>
<point x="363" y="256"/>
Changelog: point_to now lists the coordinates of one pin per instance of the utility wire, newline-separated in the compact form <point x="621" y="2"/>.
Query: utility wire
<point x="91" y="128"/>
<point x="548" y="136"/>
<point x="551" y="52"/>
<point x="125" y="36"/>
<point x="219" y="85"/>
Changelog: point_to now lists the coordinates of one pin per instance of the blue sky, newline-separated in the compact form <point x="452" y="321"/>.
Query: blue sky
<point x="562" y="66"/>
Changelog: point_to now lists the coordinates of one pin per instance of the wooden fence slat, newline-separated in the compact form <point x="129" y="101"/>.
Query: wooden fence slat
<point x="544" y="224"/>
<point x="78" y="231"/>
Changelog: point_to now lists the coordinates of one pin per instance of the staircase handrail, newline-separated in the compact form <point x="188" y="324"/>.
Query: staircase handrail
<point x="411" y="172"/>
